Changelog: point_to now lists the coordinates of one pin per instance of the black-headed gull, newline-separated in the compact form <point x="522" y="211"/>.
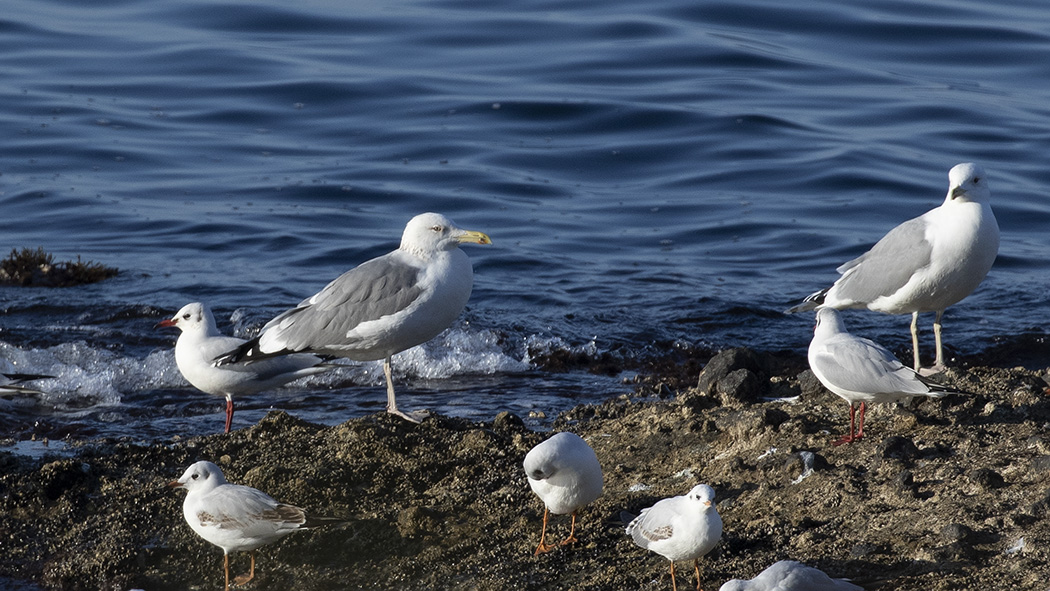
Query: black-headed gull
<point x="201" y="342"/>
<point x="565" y="474"/>
<point x="860" y="370"/>
<point x="789" y="575"/>
<point x="927" y="263"/>
<point x="237" y="518"/>
<point x="381" y="307"/>
<point x="679" y="528"/>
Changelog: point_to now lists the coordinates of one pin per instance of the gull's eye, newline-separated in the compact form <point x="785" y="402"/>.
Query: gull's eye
<point x="185" y="316"/>
<point x="437" y="229"/>
<point x="976" y="179"/>
<point x="195" y="476"/>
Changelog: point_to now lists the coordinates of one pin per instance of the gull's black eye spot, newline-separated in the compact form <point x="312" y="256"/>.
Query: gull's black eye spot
<point x="976" y="179"/>
<point x="195" y="476"/>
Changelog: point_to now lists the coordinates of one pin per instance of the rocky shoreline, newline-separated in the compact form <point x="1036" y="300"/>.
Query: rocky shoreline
<point x="950" y="493"/>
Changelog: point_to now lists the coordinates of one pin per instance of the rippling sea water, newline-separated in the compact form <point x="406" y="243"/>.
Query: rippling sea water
<point x="657" y="177"/>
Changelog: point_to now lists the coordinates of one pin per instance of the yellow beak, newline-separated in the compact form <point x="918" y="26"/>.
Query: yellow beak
<point x="473" y="237"/>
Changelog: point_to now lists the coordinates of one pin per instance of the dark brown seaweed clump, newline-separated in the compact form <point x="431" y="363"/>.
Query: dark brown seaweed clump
<point x="36" y="268"/>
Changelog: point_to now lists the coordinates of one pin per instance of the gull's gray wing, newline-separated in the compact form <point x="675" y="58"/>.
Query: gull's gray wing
<point x="654" y="524"/>
<point x="377" y="288"/>
<point x="860" y="365"/>
<point x="887" y="266"/>
<point x="380" y="287"/>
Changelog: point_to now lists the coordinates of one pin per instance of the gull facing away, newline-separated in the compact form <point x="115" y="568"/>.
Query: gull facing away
<point x="926" y="264"/>
<point x="12" y="383"/>
<point x="381" y="307"/>
<point x="201" y="342"/>
<point x="237" y="518"/>
<point x="679" y="528"/>
<point x="860" y="370"/>
<point x="565" y="474"/>
<point x="788" y="575"/>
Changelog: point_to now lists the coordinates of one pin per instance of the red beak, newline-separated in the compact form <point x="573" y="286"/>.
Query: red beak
<point x="165" y="323"/>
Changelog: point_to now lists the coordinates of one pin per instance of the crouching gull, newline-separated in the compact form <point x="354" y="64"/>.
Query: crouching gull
<point x="381" y="307"/>
<point x="200" y="342"/>
<point x="565" y="474"/>
<point x="926" y="264"/>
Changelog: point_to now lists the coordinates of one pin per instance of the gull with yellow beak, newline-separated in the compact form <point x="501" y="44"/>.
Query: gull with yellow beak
<point x="381" y="307"/>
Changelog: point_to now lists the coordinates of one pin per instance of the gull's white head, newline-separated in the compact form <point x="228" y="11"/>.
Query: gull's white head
<point x="432" y="232"/>
<point x="828" y="322"/>
<point x="702" y="494"/>
<point x="967" y="182"/>
<point x="200" y="477"/>
<point x="192" y="318"/>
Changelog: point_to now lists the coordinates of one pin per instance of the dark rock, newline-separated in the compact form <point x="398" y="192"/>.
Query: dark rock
<point x="987" y="478"/>
<point x="739" y="386"/>
<point x="898" y="448"/>
<point x="724" y="363"/>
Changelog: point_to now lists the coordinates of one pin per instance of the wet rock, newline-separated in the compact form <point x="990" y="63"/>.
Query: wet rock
<point x="739" y="387"/>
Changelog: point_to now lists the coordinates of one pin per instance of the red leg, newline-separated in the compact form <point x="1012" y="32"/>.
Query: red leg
<point x="229" y="413"/>
<point x="543" y="547"/>
<point x="848" y="438"/>
<point x="860" y="426"/>
<point x="572" y="532"/>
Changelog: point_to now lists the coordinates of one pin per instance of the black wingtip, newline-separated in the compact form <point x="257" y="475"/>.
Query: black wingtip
<point x="247" y="352"/>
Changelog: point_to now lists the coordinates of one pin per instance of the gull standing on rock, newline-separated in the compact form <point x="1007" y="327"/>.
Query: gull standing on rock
<point x="860" y="370"/>
<point x="926" y="264"/>
<point x="565" y="474"/>
<point x="237" y="518"/>
<point x="201" y="342"/>
<point x="381" y="307"/>
<point x="788" y="575"/>
<point x="679" y="528"/>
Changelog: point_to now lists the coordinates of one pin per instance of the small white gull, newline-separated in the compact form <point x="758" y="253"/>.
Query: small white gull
<point x="789" y="575"/>
<point x="200" y="342"/>
<point x="860" y="370"/>
<point x="565" y="474"/>
<point x="237" y="518"/>
<point x="679" y="528"/>
<point x="381" y="307"/>
<point x="926" y="264"/>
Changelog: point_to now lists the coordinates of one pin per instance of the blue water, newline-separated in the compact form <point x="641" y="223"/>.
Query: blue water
<point x="657" y="177"/>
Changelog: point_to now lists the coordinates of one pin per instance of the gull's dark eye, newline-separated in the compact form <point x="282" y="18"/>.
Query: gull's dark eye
<point x="185" y="316"/>
<point x="195" y="476"/>
<point x="976" y="179"/>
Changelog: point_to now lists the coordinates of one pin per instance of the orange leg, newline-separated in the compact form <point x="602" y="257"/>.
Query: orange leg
<point x="572" y="533"/>
<point x="543" y="547"/>
<point x="696" y="567"/>
<point x="674" y="586"/>
<point x="242" y="579"/>
<point x="226" y="563"/>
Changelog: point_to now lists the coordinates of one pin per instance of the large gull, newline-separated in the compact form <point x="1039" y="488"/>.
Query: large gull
<point x="565" y="474"/>
<point x="381" y="307"/>
<point x="679" y="528"/>
<point x="200" y="342"/>
<point x="237" y="518"/>
<point x="860" y="370"/>
<point x="789" y="575"/>
<point x="926" y="264"/>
